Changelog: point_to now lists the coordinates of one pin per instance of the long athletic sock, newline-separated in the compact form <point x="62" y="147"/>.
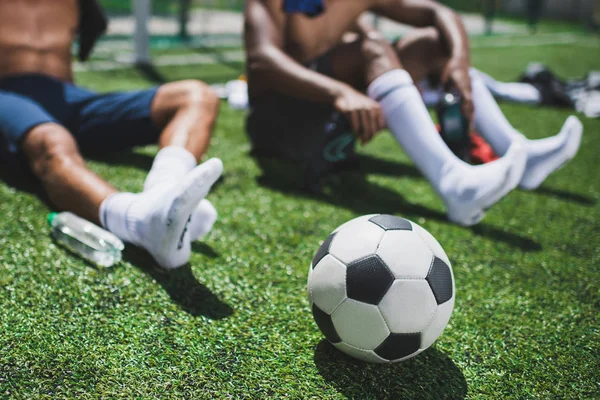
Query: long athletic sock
<point x="544" y="156"/>
<point x="516" y="92"/>
<point x="466" y="190"/>
<point x="170" y="165"/>
<point x="157" y="219"/>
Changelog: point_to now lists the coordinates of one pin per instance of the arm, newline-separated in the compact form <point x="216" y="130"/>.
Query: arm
<point x="267" y="62"/>
<point x="273" y="68"/>
<point x="422" y="13"/>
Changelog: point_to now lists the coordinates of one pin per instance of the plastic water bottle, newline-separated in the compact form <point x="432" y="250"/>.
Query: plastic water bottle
<point x="86" y="239"/>
<point x="237" y="94"/>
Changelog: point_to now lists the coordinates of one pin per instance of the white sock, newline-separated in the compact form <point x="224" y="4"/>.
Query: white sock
<point x="466" y="190"/>
<point x="171" y="163"/>
<point x="490" y="122"/>
<point x="516" y="92"/>
<point x="544" y="156"/>
<point x="157" y="220"/>
<point x="203" y="219"/>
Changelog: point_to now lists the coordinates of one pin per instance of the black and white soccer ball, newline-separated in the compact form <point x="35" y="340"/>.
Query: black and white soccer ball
<point x="381" y="288"/>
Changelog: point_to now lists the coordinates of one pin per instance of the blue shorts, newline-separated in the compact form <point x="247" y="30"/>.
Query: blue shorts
<point x="98" y="122"/>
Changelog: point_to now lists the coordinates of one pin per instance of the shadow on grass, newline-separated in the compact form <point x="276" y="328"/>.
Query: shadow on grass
<point x="350" y="189"/>
<point x="150" y="72"/>
<point x="124" y="158"/>
<point x="566" y="195"/>
<point x="133" y="159"/>
<point x="430" y="375"/>
<point x="181" y="285"/>
<point x="18" y="176"/>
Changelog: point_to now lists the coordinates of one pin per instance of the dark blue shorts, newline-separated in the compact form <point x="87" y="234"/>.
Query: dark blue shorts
<point x="98" y="122"/>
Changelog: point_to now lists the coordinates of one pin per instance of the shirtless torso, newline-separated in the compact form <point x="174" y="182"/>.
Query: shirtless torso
<point x="36" y="37"/>
<point x="306" y="38"/>
<point x="280" y="45"/>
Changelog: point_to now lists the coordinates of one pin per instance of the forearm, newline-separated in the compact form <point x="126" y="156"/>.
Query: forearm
<point x="429" y="13"/>
<point x="453" y="33"/>
<point x="273" y="68"/>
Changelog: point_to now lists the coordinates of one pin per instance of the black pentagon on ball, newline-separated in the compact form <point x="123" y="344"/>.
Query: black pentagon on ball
<point x="325" y="324"/>
<point x="391" y="222"/>
<point x="398" y="345"/>
<point x="439" y="278"/>
<point x="368" y="279"/>
<point x="323" y="250"/>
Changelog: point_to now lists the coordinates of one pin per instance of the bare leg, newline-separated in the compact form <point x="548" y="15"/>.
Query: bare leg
<point x="544" y="156"/>
<point x="388" y="73"/>
<point x="422" y="53"/>
<point x="359" y="62"/>
<point x="54" y="158"/>
<point x="187" y="111"/>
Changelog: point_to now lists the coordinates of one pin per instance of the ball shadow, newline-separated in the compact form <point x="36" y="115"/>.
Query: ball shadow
<point x="181" y="285"/>
<point x="351" y="190"/>
<point x="430" y="375"/>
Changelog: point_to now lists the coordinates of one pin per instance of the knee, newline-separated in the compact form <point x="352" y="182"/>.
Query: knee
<point x="199" y="95"/>
<point x="432" y="43"/>
<point x="375" y="46"/>
<point x="48" y="147"/>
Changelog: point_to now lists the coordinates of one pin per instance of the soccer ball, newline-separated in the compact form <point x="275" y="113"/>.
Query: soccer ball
<point x="381" y="288"/>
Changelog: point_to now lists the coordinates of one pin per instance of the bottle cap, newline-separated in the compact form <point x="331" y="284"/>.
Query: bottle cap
<point x="51" y="217"/>
<point x="449" y="98"/>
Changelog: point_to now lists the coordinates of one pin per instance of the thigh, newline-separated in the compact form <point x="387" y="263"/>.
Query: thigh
<point x="19" y="115"/>
<point x="359" y="62"/>
<point x="422" y="53"/>
<point x="345" y="63"/>
<point x="115" y="121"/>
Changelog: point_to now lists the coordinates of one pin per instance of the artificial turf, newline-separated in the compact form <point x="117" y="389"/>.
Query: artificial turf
<point x="236" y="323"/>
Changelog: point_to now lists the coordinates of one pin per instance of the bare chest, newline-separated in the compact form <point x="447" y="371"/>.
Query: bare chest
<point x="43" y="24"/>
<point x="307" y="38"/>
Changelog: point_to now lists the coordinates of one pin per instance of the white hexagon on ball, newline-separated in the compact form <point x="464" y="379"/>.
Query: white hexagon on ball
<point x="359" y="324"/>
<point x="408" y="306"/>
<point x="431" y="242"/>
<point x="327" y="284"/>
<point x="438" y="324"/>
<point x="356" y="241"/>
<point x="355" y="221"/>
<point x="405" y="254"/>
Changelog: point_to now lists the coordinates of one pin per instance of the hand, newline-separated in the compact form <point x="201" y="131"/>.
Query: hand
<point x="365" y="115"/>
<point x="456" y="76"/>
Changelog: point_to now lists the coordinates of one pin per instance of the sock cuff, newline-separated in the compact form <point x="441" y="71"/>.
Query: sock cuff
<point x="113" y="214"/>
<point x="183" y="155"/>
<point x="388" y="82"/>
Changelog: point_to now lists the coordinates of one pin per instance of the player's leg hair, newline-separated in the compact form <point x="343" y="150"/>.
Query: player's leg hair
<point x="186" y="111"/>
<point x="54" y="158"/>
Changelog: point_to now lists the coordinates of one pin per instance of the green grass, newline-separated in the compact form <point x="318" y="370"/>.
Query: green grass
<point x="236" y="324"/>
